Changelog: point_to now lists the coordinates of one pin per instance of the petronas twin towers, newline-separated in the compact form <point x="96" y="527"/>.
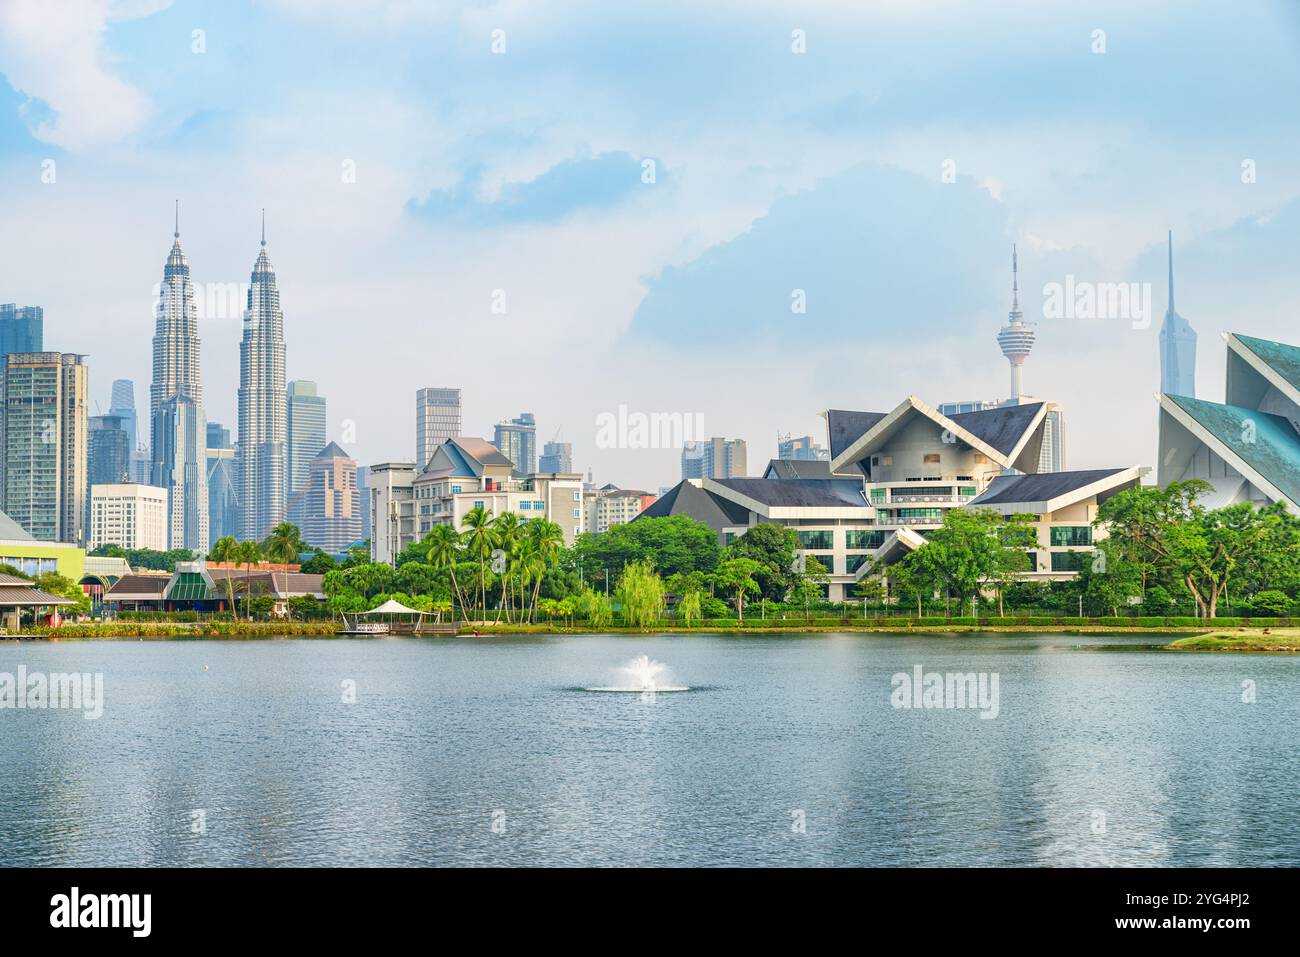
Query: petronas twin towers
<point x="179" y="428"/>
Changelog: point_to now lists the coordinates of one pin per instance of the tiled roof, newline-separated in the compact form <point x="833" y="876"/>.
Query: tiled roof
<point x="1280" y="357"/>
<point x="1039" y="488"/>
<point x="799" y="493"/>
<point x="1269" y="444"/>
<point x="797" y="469"/>
<point x="845" y="427"/>
<point x="1003" y="427"/>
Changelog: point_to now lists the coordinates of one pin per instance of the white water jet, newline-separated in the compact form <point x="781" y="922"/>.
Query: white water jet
<point x="642" y="675"/>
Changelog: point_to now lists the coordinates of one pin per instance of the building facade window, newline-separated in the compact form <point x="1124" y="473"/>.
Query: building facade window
<point x="1063" y="535"/>
<point x="823" y="539"/>
<point x="1067" y="561"/>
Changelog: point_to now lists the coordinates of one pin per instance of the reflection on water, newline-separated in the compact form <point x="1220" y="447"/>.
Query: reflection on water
<point x="491" y="752"/>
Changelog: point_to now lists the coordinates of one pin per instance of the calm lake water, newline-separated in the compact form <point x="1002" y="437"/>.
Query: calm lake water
<point x="786" y="751"/>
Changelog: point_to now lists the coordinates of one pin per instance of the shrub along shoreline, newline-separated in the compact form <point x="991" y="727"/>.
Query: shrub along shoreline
<point x="1222" y="634"/>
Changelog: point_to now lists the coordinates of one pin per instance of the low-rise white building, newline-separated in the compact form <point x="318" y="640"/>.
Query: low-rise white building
<point x="610" y="505"/>
<point x="463" y="474"/>
<point x="128" y="514"/>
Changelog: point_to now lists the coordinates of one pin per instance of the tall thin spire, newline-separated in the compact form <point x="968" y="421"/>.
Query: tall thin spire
<point x="177" y="233"/>
<point x="263" y="226"/>
<point x="1171" y="270"/>
<point x="1015" y="314"/>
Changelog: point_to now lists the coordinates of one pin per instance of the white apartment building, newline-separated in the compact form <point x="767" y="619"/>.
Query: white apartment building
<point x="129" y="515"/>
<point x="610" y="505"/>
<point x="463" y="474"/>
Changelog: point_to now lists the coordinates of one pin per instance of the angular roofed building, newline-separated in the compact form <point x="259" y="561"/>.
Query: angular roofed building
<point x="1247" y="447"/>
<point x="892" y="477"/>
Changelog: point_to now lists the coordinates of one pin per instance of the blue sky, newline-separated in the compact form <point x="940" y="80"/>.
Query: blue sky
<point x="518" y="176"/>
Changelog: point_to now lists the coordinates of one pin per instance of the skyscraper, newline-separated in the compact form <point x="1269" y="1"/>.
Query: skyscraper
<point x="1017" y="336"/>
<point x="556" y="457"/>
<point x="437" y="419"/>
<point x="1177" y="345"/>
<point x="516" y="439"/>
<point x="800" y="448"/>
<point x="223" y="497"/>
<point x="122" y="405"/>
<point x="21" y="329"/>
<point x="306" y="411"/>
<point x="46" y="405"/>
<point x="715" y="458"/>
<point x="329" y="509"/>
<point x="176" y="404"/>
<point x="109" y="451"/>
<point x="262" y="452"/>
<point x="180" y="467"/>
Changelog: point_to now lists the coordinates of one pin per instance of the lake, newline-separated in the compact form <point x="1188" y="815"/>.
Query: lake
<point x="786" y="750"/>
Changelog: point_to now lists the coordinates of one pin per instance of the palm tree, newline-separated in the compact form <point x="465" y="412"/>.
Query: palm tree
<point x="508" y="534"/>
<point x="545" y="539"/>
<point x="248" y="554"/>
<point x="444" y="549"/>
<point x="284" y="544"/>
<point x="480" y="538"/>
<point x="226" y="550"/>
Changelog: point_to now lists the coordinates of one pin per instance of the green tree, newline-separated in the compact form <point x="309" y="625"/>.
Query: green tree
<point x="673" y="544"/>
<point x="442" y="552"/>
<point x="968" y="554"/>
<point x="480" y="539"/>
<point x="773" y="547"/>
<point x="284" y="544"/>
<point x="1202" y="549"/>
<point x="641" y="594"/>
<point x="226" y="550"/>
<point x="248" y="554"/>
<point x="546" y="542"/>
<point x="736" y="575"/>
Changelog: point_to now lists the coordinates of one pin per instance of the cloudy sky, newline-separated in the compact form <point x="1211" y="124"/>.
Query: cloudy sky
<point x="565" y="207"/>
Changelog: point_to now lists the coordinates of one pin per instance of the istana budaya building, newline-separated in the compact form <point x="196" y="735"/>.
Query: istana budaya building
<point x="1248" y="446"/>
<point x="892" y="477"/>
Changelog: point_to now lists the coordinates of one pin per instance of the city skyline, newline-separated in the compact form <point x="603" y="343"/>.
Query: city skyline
<point x="442" y="206"/>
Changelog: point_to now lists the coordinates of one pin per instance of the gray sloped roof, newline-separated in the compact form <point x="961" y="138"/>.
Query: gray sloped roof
<point x="843" y="427"/>
<point x="481" y="449"/>
<point x="1038" y="488"/>
<point x="1003" y="427"/>
<point x="693" y="502"/>
<point x="800" y="493"/>
<point x="797" y="469"/>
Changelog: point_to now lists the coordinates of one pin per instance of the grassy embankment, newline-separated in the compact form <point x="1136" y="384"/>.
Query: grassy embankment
<point x="1241" y="639"/>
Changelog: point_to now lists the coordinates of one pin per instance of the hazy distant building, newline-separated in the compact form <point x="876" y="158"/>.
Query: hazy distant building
<point x="307" y="417"/>
<point x="556" y="457"/>
<point x="516" y="439"/>
<point x="176" y="421"/>
<point x="437" y="419"/>
<point x="46" y="399"/>
<point x="363" y="496"/>
<point x="328" y="511"/>
<point x="261" y="455"/>
<point x="715" y="458"/>
<point x="122" y="405"/>
<point x="1177" y="345"/>
<point x="800" y="449"/>
<point x="180" y="467"/>
<point x="223" y="495"/>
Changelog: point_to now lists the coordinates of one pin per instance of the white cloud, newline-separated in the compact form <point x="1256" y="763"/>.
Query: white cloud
<point x="55" y="52"/>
